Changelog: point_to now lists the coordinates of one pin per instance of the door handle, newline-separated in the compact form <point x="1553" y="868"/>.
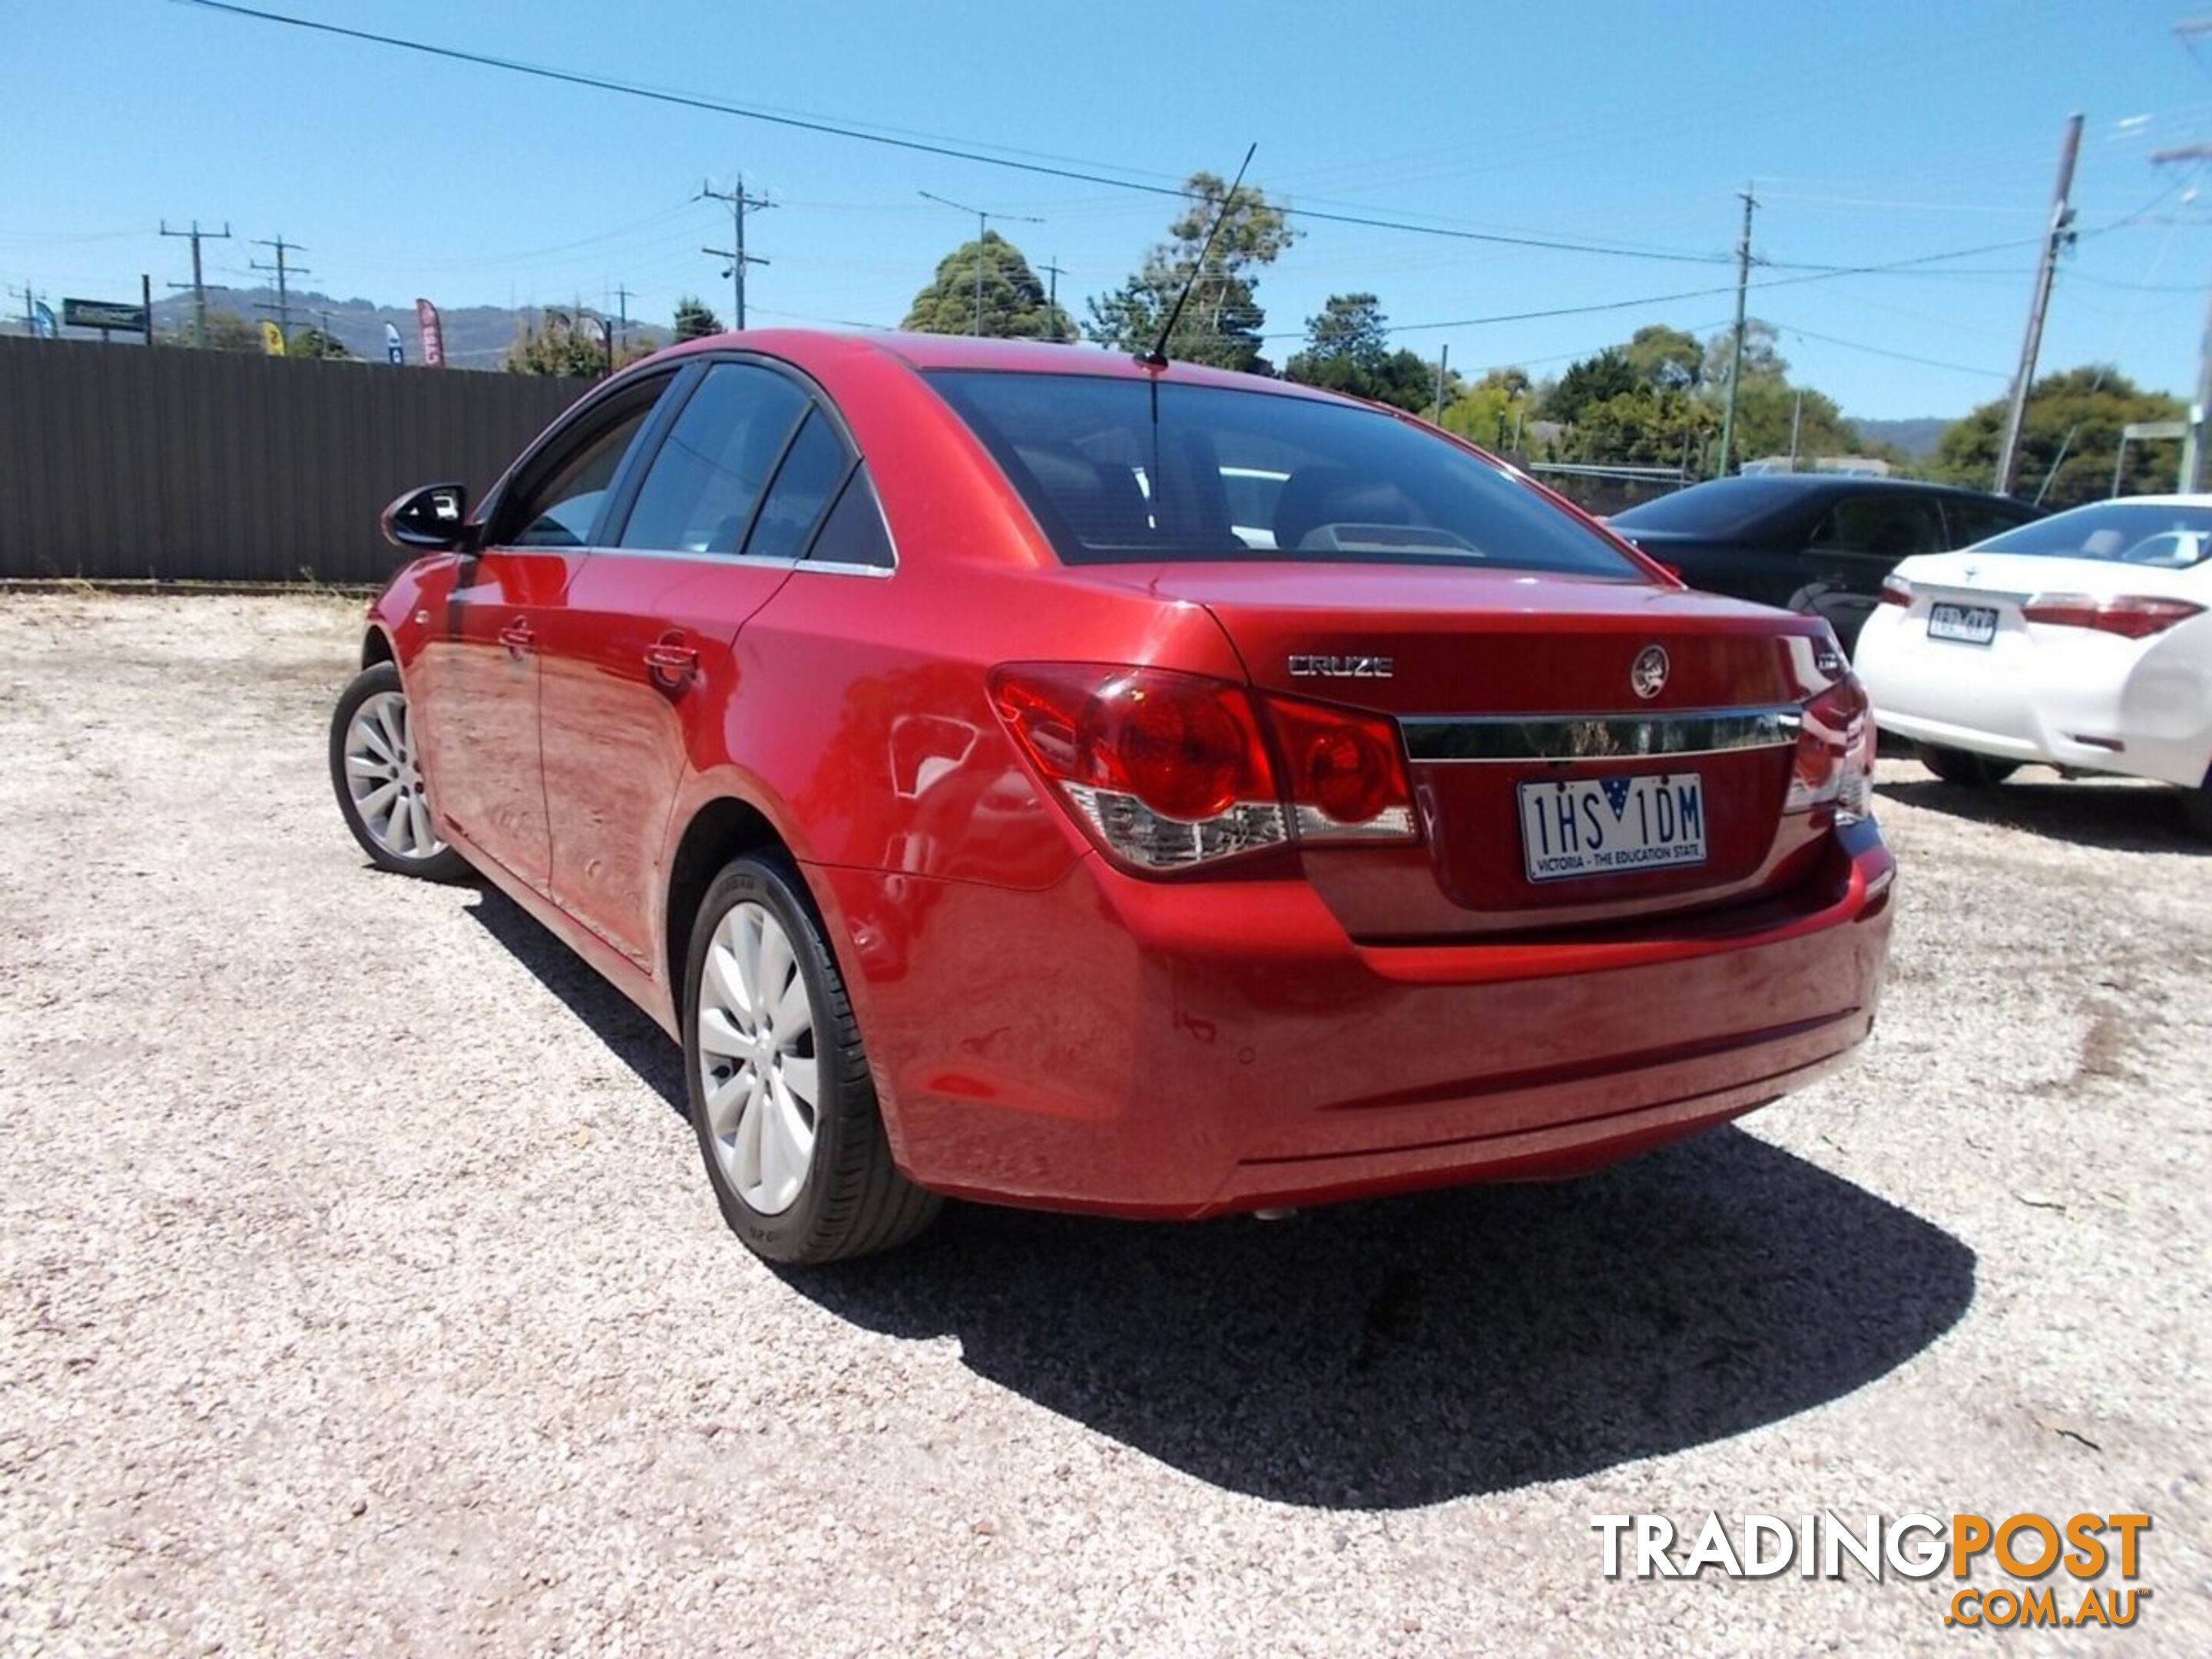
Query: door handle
<point x="670" y="661"/>
<point x="517" y="636"/>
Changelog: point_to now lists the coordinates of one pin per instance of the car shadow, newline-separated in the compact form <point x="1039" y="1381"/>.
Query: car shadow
<point x="1408" y="1350"/>
<point x="2121" y="818"/>
<point x="627" y="1030"/>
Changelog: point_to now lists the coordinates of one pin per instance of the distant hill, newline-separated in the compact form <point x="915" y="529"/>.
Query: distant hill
<point x="1916" y="437"/>
<point x="475" y="336"/>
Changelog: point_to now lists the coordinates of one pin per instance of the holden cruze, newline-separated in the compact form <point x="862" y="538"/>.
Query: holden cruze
<point x="924" y="732"/>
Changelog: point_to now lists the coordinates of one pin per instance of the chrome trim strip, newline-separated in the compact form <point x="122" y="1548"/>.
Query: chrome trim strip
<point x="740" y="561"/>
<point x="1433" y="739"/>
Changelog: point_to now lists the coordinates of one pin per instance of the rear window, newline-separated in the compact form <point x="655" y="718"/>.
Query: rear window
<point x="1120" y="471"/>
<point x="2168" y="538"/>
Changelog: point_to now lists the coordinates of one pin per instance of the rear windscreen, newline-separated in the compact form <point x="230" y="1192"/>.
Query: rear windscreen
<point x="1119" y="470"/>
<point x="2168" y="536"/>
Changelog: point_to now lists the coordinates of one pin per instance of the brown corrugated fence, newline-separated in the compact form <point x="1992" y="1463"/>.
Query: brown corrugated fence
<point x="117" y="462"/>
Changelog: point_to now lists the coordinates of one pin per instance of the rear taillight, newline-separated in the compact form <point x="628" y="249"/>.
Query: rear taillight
<point x="1166" y="770"/>
<point x="1834" y="762"/>
<point x="1348" y="772"/>
<point x="1895" y="590"/>
<point x="2136" y="616"/>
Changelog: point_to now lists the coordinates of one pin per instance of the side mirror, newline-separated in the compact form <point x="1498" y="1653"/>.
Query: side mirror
<point x="432" y="519"/>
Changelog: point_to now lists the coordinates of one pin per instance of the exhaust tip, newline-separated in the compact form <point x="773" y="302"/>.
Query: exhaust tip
<point x="1273" y="1215"/>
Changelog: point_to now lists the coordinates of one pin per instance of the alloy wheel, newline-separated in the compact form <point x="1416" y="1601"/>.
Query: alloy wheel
<point x="757" y="1069"/>
<point x="385" y="778"/>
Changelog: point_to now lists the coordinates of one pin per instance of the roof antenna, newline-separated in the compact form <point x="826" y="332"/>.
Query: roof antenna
<point x="1157" y="356"/>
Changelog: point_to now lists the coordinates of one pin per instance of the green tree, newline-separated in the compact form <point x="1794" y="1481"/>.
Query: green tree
<point x="1348" y="350"/>
<point x="1761" y="360"/>
<point x="1494" y="411"/>
<point x="558" y="344"/>
<point x="694" y="321"/>
<point x="1221" y="326"/>
<point x="1767" y="408"/>
<point x="1648" y="426"/>
<point x="1014" y="307"/>
<point x="313" y="343"/>
<point x="2079" y="412"/>
<point x="1669" y="359"/>
<point x="1592" y="380"/>
<point x="225" y="332"/>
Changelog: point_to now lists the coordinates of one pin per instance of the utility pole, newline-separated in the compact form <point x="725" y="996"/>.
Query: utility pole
<point x="2056" y="240"/>
<point x="1052" y="274"/>
<point x="2197" y="440"/>
<point x="1736" y="362"/>
<point x="1443" y="357"/>
<point x="740" y="205"/>
<point x="1797" y="425"/>
<point x="285" y="272"/>
<point x="983" y="217"/>
<point x="622" y="315"/>
<point x="198" y="287"/>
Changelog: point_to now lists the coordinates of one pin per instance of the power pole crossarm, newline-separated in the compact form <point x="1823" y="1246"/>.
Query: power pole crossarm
<point x="1736" y="359"/>
<point x="199" y="285"/>
<point x="285" y="271"/>
<point x="2057" y="237"/>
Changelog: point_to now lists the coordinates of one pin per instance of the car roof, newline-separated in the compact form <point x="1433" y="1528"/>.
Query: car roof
<point x="968" y="351"/>
<point x="1778" y="483"/>
<point x="2148" y="501"/>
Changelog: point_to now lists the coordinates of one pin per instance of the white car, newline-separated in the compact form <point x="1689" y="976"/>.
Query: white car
<point x="2081" y="641"/>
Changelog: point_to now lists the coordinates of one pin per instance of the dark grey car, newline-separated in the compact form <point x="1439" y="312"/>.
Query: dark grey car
<point x="1818" y="542"/>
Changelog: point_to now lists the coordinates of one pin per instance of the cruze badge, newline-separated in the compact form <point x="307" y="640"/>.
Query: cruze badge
<point x="1647" y="678"/>
<point x="1342" y="668"/>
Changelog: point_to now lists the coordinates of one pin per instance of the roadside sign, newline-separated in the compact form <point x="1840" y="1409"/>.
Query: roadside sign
<point x="103" y="314"/>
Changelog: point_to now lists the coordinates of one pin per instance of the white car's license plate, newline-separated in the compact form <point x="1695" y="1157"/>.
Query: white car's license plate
<point x="1968" y="624"/>
<point x="1612" y="826"/>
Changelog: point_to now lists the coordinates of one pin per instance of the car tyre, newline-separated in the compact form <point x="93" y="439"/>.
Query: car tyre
<point x="766" y="1018"/>
<point x="1966" y="770"/>
<point x="377" y="772"/>
<point x="2196" y="809"/>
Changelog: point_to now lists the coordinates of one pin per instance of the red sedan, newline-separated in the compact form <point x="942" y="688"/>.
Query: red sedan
<point x="1033" y="774"/>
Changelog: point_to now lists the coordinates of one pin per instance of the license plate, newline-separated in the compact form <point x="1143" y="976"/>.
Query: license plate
<point x="1612" y="826"/>
<point x="1968" y="624"/>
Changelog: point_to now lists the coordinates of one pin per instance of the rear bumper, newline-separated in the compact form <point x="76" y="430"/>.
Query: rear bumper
<point x="1177" y="1049"/>
<point x="2025" y="699"/>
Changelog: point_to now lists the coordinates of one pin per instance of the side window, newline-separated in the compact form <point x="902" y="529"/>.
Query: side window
<point x="1884" y="526"/>
<point x="560" y="508"/>
<point x="813" y="469"/>
<point x="1976" y="521"/>
<point x="705" y="480"/>
<point x="853" y="532"/>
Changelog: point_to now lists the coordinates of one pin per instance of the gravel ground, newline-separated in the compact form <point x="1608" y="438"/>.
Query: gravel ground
<point x="362" y="1291"/>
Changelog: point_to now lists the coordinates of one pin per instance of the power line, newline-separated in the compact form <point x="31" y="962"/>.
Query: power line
<point x="1884" y="351"/>
<point x="927" y="147"/>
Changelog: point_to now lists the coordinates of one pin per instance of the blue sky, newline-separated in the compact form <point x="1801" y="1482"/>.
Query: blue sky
<point x="1874" y="132"/>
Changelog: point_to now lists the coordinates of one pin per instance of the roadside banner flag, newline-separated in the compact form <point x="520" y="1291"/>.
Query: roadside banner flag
<point x="272" y="338"/>
<point x="433" y="335"/>
<point x="393" y="351"/>
<point x="43" y="324"/>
